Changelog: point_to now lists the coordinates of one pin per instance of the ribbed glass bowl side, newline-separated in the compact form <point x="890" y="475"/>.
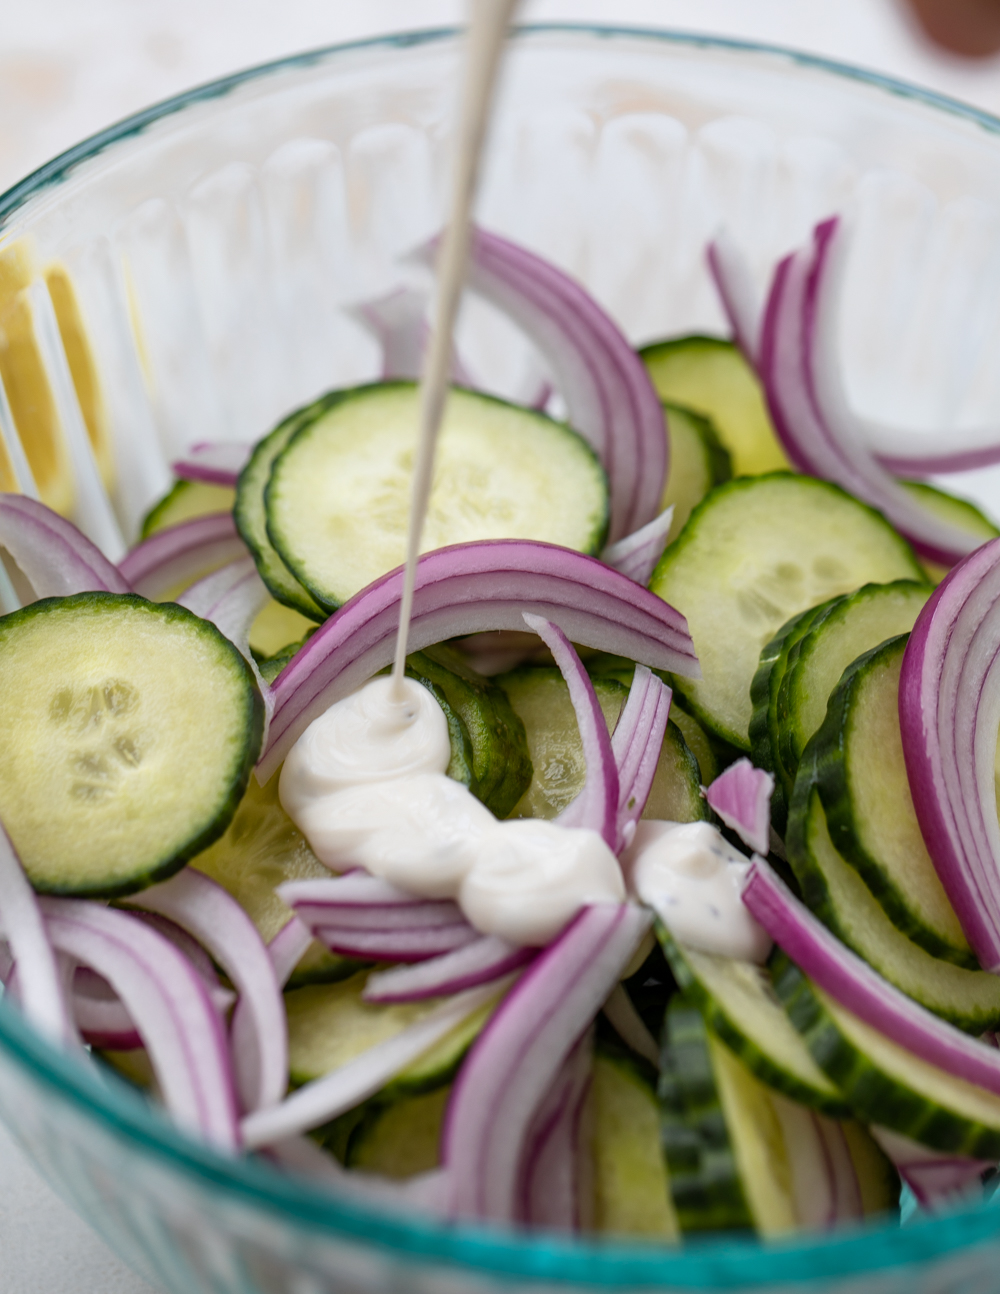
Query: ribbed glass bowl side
<point x="213" y="244"/>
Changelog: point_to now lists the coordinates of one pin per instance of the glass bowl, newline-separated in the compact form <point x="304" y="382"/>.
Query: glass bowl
<point x="212" y="243"/>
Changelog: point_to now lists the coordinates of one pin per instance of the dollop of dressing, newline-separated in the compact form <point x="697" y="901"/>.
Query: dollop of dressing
<point x="365" y="784"/>
<point x="693" y="878"/>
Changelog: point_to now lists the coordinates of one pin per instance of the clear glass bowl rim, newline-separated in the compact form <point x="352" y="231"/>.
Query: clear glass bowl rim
<point x="718" y="1263"/>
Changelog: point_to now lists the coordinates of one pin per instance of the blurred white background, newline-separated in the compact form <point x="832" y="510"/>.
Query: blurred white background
<point x="70" y="67"/>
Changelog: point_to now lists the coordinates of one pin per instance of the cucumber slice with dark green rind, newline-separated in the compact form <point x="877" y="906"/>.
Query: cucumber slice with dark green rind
<point x="711" y="376"/>
<point x="184" y="501"/>
<point x="251" y="519"/>
<point x="539" y="695"/>
<point x="739" y="1005"/>
<point x="950" y="507"/>
<point x="401" y="1138"/>
<point x="698" y="460"/>
<point x="631" y="1192"/>
<point x="887" y="1084"/>
<point x="132" y="729"/>
<point x="835" y="892"/>
<point x="842" y="631"/>
<point x="338" y="495"/>
<point x="754" y="553"/>
<point x="705" y="1185"/>
<point x="863" y="784"/>
<point x="878" y="1180"/>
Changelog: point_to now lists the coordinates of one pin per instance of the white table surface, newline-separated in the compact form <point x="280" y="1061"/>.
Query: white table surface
<point x="70" y="67"/>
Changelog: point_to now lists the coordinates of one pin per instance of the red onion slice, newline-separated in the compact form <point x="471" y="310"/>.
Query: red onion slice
<point x="466" y="589"/>
<point x="326" y="1097"/>
<point x="395" y="945"/>
<point x="259" y="1032"/>
<point x="741" y="796"/>
<point x="287" y="948"/>
<point x="550" y="1189"/>
<point x="609" y="397"/>
<point x="637" y="554"/>
<point x="629" y="1025"/>
<point x="28" y="947"/>
<point x="514" y="1061"/>
<point x="935" y="1178"/>
<point x="636" y="744"/>
<point x="169" y="1004"/>
<point x="100" y="1014"/>
<point x="596" y="806"/>
<point x="214" y="462"/>
<point x="799" y="367"/>
<point x="861" y="990"/>
<point x="56" y="559"/>
<point x="398" y="322"/>
<point x="734" y="281"/>
<point x="179" y="554"/>
<point x="361" y="902"/>
<point x="949" y="713"/>
<point x="479" y="962"/>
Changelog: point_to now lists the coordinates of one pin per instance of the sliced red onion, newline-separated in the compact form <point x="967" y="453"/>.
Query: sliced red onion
<point x="847" y="1202"/>
<point x="356" y="888"/>
<point x="861" y="990"/>
<point x="287" y="949"/>
<point x="102" y="1018"/>
<point x="193" y="951"/>
<point x="596" y="806"/>
<point x="551" y="1177"/>
<point x="799" y="367"/>
<point x="343" y="1088"/>
<point x="949" y="696"/>
<point x="636" y="745"/>
<point x="169" y="1004"/>
<point x="55" y="558"/>
<point x="259" y="1032"/>
<point x="28" y="947"/>
<point x="621" y="1014"/>
<point x="734" y="280"/>
<point x="609" y="397"/>
<point x="361" y="902"/>
<point x="303" y="1156"/>
<point x="398" y="322"/>
<point x="395" y="945"/>
<point x="935" y="1178"/>
<point x="514" y="1061"/>
<point x="214" y="462"/>
<point x="479" y="962"/>
<point x="741" y="796"/>
<point x="637" y="554"/>
<point x="463" y="590"/>
<point x="176" y="556"/>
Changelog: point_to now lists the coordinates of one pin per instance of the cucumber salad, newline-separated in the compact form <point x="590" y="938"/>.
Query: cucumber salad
<point x="666" y="901"/>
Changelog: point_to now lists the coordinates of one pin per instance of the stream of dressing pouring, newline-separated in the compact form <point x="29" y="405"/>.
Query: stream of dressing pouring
<point x="487" y="29"/>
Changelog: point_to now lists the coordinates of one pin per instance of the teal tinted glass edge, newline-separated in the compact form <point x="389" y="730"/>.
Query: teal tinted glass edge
<point x="723" y="1263"/>
<point x="56" y="170"/>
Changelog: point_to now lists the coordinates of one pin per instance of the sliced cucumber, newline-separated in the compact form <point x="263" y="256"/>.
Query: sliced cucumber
<point x="183" y="502"/>
<point x="338" y="496"/>
<point x="754" y="553"/>
<point x="739" y="1005"/>
<point x="887" y="1084"/>
<point x="251" y="518"/>
<point x="698" y="461"/>
<point x="131" y="731"/>
<point x="950" y="508"/>
<point x="540" y="697"/>
<point x="837" y="636"/>
<point x="710" y="376"/>
<point x="876" y="1174"/>
<point x="834" y="890"/>
<point x="631" y="1194"/>
<point x="402" y="1138"/>
<point x="865" y="792"/>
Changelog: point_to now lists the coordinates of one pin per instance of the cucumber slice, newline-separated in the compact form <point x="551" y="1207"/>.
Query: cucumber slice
<point x="754" y="553"/>
<point x="887" y="1084"/>
<point x="834" y="890"/>
<point x="132" y="728"/>
<point x="401" y="1139"/>
<point x="876" y="1174"/>
<point x="185" y="501"/>
<point x="698" y="461"/>
<point x="739" y="1005"/>
<point x="950" y="508"/>
<point x="277" y="628"/>
<point x="338" y="497"/>
<point x="540" y="697"/>
<point x="837" y="636"/>
<point x="251" y="518"/>
<point x="631" y="1194"/>
<point x="863" y="784"/>
<point x="710" y="376"/>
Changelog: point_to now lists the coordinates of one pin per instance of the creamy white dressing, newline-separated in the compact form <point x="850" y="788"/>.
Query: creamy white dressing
<point x="693" y="878"/>
<point x="394" y="812"/>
